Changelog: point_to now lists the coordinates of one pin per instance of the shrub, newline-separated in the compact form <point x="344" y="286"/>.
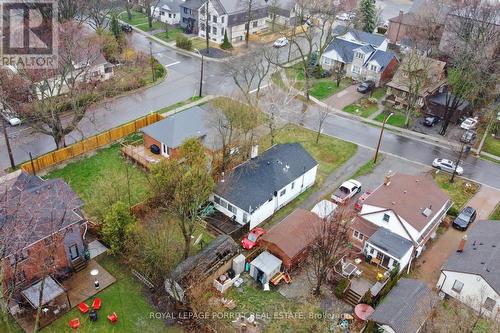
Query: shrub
<point x="183" y="42"/>
<point x="453" y="211"/>
<point x="225" y="44"/>
<point x="341" y="287"/>
<point x="115" y="226"/>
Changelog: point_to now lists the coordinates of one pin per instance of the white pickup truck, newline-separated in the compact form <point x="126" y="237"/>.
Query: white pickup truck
<point x="347" y="190"/>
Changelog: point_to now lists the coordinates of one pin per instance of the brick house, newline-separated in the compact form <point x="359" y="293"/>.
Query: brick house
<point x="42" y="228"/>
<point x="398" y="218"/>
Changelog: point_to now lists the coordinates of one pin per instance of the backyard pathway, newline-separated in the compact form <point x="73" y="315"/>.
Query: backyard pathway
<point x="430" y="263"/>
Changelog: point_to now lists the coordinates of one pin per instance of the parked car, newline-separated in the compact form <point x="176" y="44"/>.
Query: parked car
<point x="430" y="121"/>
<point x="359" y="203"/>
<point x="347" y="190"/>
<point x="469" y="123"/>
<point x="447" y="165"/>
<point x="366" y="87"/>
<point x="343" y="17"/>
<point x="11" y="117"/>
<point x="127" y="28"/>
<point x="251" y="239"/>
<point x="468" y="137"/>
<point x="465" y="218"/>
<point x="281" y="42"/>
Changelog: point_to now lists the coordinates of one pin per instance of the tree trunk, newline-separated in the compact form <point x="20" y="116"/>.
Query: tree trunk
<point x="39" y="309"/>
<point x="187" y="246"/>
<point x="7" y="143"/>
<point x="60" y="141"/>
<point x="129" y="13"/>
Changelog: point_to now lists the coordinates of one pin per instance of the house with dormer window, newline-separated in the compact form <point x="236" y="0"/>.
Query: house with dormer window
<point x="363" y="56"/>
<point x="398" y="219"/>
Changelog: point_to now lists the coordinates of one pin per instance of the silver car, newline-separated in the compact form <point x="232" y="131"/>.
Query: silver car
<point x="447" y="165"/>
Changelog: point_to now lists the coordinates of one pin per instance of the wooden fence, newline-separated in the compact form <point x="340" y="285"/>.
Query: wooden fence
<point x="79" y="148"/>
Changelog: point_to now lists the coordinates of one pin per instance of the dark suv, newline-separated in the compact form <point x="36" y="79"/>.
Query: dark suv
<point x="465" y="218"/>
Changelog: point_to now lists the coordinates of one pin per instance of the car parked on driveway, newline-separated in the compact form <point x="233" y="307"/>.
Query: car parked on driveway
<point x="347" y="190"/>
<point x="469" y="123"/>
<point x="465" y="218"/>
<point x="127" y="28"/>
<point x="280" y="42"/>
<point x="366" y="87"/>
<point x="251" y="239"/>
<point x="430" y="121"/>
<point x="447" y="165"/>
<point x="468" y="137"/>
<point x="11" y="117"/>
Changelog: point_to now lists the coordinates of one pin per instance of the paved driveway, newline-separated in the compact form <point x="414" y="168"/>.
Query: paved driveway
<point x="343" y="98"/>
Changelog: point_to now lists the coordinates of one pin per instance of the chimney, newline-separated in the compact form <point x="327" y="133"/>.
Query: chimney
<point x="461" y="245"/>
<point x="255" y="152"/>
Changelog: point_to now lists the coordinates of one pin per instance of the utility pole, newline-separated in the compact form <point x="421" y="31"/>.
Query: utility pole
<point x="207" y="27"/>
<point x="380" y="137"/>
<point x="7" y="143"/>
<point x="151" y="61"/>
<point x="452" y="179"/>
<point x="201" y="74"/>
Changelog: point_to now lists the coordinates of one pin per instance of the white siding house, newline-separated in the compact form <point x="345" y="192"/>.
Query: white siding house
<point x="472" y="274"/>
<point x="168" y="11"/>
<point x="256" y="189"/>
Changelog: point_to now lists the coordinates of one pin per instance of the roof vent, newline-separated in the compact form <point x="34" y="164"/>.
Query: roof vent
<point x="427" y="212"/>
<point x="417" y="180"/>
<point x="405" y="191"/>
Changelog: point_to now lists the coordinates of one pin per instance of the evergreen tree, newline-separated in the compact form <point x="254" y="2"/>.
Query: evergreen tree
<point x="115" y="27"/>
<point x="368" y="15"/>
<point x="225" y="44"/>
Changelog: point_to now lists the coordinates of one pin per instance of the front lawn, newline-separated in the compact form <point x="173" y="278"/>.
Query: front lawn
<point x="460" y="191"/>
<point x="155" y="26"/>
<point x="379" y="93"/>
<point x="492" y="145"/>
<point x="125" y="297"/>
<point x="324" y="88"/>
<point x="201" y="43"/>
<point x="360" y="110"/>
<point x="495" y="215"/>
<point x="137" y="18"/>
<point x="397" y="119"/>
<point x="169" y="36"/>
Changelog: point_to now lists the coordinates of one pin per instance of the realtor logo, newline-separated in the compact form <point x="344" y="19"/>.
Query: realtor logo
<point x="28" y="33"/>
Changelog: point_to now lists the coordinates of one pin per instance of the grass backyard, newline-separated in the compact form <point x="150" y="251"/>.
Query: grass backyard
<point x="169" y="36"/>
<point x="460" y="191"/>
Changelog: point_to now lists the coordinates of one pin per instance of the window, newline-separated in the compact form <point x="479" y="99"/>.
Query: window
<point x="326" y="61"/>
<point x="358" y="235"/>
<point x="231" y="208"/>
<point x="380" y="256"/>
<point x="162" y="13"/>
<point x="293" y="185"/>
<point x="222" y="31"/>
<point x="216" y="199"/>
<point x="457" y="286"/>
<point x="489" y="304"/>
<point x="359" y="55"/>
<point x="222" y="19"/>
<point x="223" y="203"/>
<point x="372" y="250"/>
<point x="214" y="30"/>
<point x="386" y="217"/>
<point x="373" y="68"/>
<point x="202" y="26"/>
<point x="170" y="15"/>
<point x="186" y="10"/>
<point x="245" y="217"/>
<point x="282" y="193"/>
<point x="356" y="69"/>
<point x="214" y="19"/>
<point x="108" y="69"/>
<point x="255" y="24"/>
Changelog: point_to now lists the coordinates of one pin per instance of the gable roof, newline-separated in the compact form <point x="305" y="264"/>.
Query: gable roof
<point x="172" y="5"/>
<point x="407" y="306"/>
<point x="390" y="242"/>
<point x="343" y="48"/>
<point x="295" y="232"/>
<point x="480" y="254"/>
<point x="32" y="209"/>
<point x="440" y="99"/>
<point x="192" y="4"/>
<point x="255" y="181"/>
<point x="361" y="36"/>
<point x="434" y="70"/>
<point x="175" y="129"/>
<point x="408" y="196"/>
<point x="382" y="58"/>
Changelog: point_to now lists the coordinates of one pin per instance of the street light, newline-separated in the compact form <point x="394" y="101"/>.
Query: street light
<point x="201" y="72"/>
<point x="94" y="273"/>
<point x="380" y="137"/>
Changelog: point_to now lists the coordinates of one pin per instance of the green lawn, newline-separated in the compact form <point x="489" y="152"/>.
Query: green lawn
<point x="170" y="36"/>
<point x="324" y="88"/>
<point x="379" y="93"/>
<point x="361" y="111"/>
<point x="140" y="21"/>
<point x="397" y="119"/>
<point x="459" y="191"/>
<point x="155" y="26"/>
<point x="125" y="297"/>
<point x="9" y="325"/>
<point x="179" y="104"/>
<point x="201" y="43"/>
<point x="495" y="215"/>
<point x="492" y="145"/>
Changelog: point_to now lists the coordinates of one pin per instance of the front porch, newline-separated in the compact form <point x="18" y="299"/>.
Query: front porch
<point x="76" y="289"/>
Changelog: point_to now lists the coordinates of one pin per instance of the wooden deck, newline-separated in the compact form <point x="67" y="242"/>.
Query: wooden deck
<point x="79" y="288"/>
<point x="141" y="155"/>
<point x="220" y="224"/>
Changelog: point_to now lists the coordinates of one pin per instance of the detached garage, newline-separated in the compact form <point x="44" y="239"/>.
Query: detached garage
<point x="290" y="239"/>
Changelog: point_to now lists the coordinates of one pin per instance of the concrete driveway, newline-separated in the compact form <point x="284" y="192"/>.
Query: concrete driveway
<point x="343" y="98"/>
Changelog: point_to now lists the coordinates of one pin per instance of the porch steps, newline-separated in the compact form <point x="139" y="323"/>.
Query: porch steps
<point x="352" y="297"/>
<point x="79" y="264"/>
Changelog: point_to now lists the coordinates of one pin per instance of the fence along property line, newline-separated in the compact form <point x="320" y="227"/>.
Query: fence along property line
<point x="89" y="144"/>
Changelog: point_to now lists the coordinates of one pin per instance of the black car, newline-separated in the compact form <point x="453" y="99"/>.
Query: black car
<point x="468" y="137"/>
<point x="366" y="87"/>
<point x="465" y="218"/>
<point x="126" y="28"/>
<point x="430" y="121"/>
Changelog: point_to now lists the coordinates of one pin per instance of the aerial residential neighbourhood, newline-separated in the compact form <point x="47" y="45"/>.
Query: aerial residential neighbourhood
<point x="250" y="166"/>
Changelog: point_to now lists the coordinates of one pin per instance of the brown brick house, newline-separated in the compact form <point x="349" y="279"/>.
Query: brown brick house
<point x="41" y="230"/>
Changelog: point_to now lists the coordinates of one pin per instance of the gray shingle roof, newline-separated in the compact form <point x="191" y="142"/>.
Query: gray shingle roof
<point x="252" y="183"/>
<point x="365" y="37"/>
<point x="406" y="307"/>
<point x="343" y="48"/>
<point x="193" y="122"/>
<point x="440" y="99"/>
<point x="365" y="49"/>
<point x="481" y="253"/>
<point x="193" y="4"/>
<point x="390" y="242"/>
<point x="173" y="5"/>
<point x="382" y="58"/>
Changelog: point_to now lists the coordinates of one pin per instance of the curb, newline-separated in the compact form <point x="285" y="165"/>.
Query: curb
<point x="187" y="106"/>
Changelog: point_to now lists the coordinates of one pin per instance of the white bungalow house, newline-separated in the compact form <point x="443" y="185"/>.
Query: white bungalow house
<point x="398" y="219"/>
<point x="259" y="187"/>
<point x="168" y="11"/>
<point x="472" y="274"/>
<point x="362" y="55"/>
<point x="231" y="16"/>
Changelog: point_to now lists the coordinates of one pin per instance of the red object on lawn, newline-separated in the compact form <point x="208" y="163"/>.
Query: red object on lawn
<point x="84" y="308"/>
<point x="113" y="318"/>
<point x="96" y="304"/>
<point x="363" y="311"/>
<point x="74" y="323"/>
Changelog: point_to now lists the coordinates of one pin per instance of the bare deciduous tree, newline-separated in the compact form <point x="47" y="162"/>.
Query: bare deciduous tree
<point x="323" y="114"/>
<point x="95" y="12"/>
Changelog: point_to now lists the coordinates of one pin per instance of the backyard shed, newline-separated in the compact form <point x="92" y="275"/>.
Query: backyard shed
<point x="290" y="239"/>
<point x="265" y="267"/>
<point x="199" y="268"/>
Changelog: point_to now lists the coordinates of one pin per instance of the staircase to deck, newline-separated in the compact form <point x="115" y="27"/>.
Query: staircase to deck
<point x="79" y="264"/>
<point x="352" y="297"/>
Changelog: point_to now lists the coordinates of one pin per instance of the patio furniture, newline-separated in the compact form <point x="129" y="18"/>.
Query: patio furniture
<point x="96" y="304"/>
<point x="83" y="307"/>
<point x="113" y="318"/>
<point x="375" y="261"/>
<point x="74" y="323"/>
<point x="93" y="315"/>
<point x="358" y="273"/>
